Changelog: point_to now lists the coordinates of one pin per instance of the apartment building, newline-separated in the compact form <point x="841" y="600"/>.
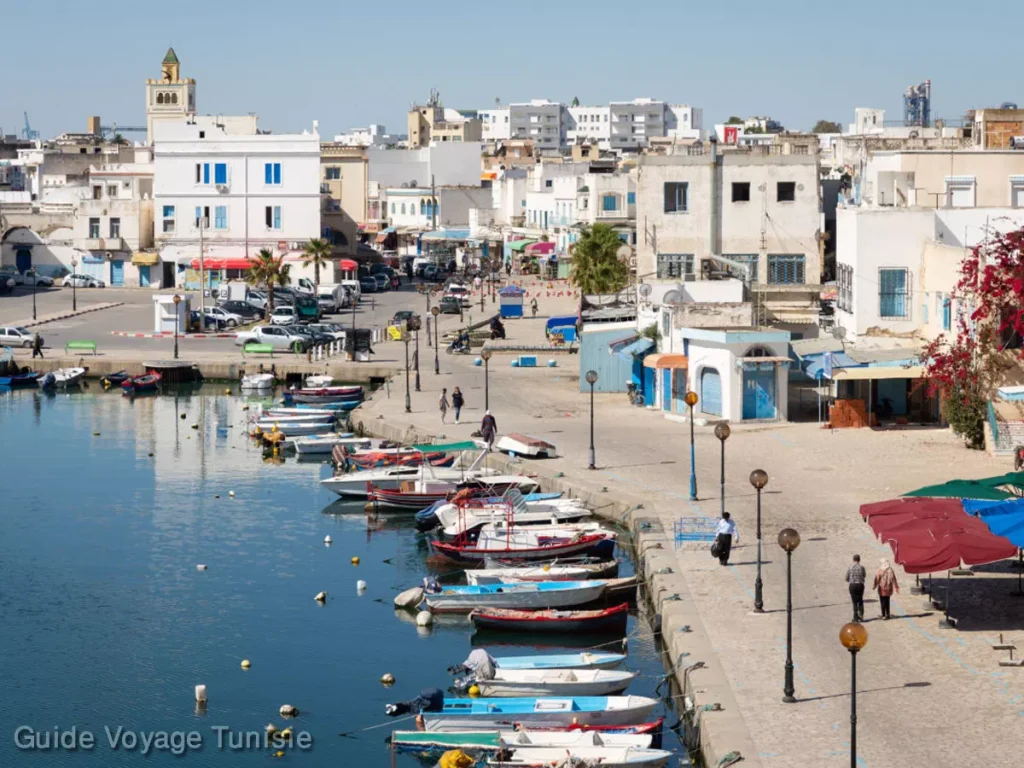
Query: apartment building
<point x="432" y="122"/>
<point x="494" y="124"/>
<point x="240" y="190"/>
<point x="542" y="122"/>
<point x="589" y="124"/>
<point x="344" y="182"/>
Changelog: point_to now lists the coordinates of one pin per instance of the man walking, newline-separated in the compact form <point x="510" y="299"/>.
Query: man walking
<point x="724" y="537"/>
<point x="489" y="429"/>
<point x="37" y="346"/>
<point x="855" y="577"/>
<point x="442" y="404"/>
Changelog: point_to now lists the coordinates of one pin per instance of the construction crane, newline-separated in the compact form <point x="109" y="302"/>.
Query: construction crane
<point x="110" y="130"/>
<point x="27" y="133"/>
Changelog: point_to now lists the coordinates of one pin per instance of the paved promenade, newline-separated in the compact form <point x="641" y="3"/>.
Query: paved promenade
<point x="926" y="696"/>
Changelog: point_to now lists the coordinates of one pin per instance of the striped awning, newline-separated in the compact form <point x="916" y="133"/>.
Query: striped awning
<point x="145" y="259"/>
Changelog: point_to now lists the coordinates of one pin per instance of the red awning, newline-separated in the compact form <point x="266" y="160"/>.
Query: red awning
<point x="230" y="263"/>
<point x="347" y="265"/>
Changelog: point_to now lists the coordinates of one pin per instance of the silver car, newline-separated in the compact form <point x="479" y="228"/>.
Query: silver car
<point x="83" y="281"/>
<point x="34" y="278"/>
<point x="16" y="336"/>
<point x="275" y="336"/>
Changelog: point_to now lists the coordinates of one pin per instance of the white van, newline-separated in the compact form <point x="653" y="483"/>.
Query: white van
<point x="353" y="287"/>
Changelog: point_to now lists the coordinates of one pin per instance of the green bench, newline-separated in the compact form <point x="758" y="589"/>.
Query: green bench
<point x="80" y="346"/>
<point x="253" y="348"/>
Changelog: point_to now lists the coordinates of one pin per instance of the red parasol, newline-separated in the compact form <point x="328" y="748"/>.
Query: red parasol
<point x="912" y="505"/>
<point x="949" y="546"/>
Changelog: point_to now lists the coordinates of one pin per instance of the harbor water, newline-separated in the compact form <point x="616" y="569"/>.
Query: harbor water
<point x="109" y="504"/>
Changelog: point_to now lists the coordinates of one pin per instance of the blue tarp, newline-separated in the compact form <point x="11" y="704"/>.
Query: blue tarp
<point x="558" y="322"/>
<point x="1003" y="518"/>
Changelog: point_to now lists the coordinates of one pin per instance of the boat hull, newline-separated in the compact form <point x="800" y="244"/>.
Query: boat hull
<point x="494" y="741"/>
<point x="522" y="596"/>
<point x="585" y="660"/>
<point x="555" y="683"/>
<point x="20" y="381"/>
<point x="490" y="714"/>
<point x="138" y="384"/>
<point x="294" y="429"/>
<point x="606" y="757"/>
<point x="610" y="621"/>
<point x="318" y="445"/>
<point x="596" y="545"/>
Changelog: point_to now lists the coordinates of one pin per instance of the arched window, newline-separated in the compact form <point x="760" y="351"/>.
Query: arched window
<point x="174" y="98"/>
<point x="159" y="98"/>
<point x="403" y="208"/>
<point x="759" y="352"/>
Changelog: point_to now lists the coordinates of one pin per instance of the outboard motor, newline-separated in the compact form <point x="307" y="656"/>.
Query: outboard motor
<point x="431" y="586"/>
<point x="429" y="700"/>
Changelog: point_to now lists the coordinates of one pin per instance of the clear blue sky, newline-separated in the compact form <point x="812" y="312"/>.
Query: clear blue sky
<point x="349" y="63"/>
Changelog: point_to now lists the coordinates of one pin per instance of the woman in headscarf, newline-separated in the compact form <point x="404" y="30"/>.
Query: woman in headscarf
<point x="886" y="584"/>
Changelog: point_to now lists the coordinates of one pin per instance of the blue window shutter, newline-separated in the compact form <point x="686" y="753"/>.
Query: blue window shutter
<point x="220" y="214"/>
<point x="199" y="214"/>
<point x="267" y="177"/>
<point x="277" y="173"/>
<point x="206" y="173"/>
<point x="220" y="173"/>
<point x="277" y="217"/>
<point x="631" y="198"/>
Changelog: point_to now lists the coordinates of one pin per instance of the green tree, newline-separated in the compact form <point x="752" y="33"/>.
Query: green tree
<point x="268" y="271"/>
<point x="827" y="126"/>
<point x="575" y="101"/>
<point x="595" y="267"/>
<point x="734" y="120"/>
<point x="317" y="253"/>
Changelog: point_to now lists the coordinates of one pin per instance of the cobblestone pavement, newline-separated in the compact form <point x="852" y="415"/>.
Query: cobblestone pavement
<point x="926" y="696"/>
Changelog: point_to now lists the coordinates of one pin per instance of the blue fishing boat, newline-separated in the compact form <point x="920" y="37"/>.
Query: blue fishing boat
<point x="517" y="595"/>
<point x="488" y="714"/>
<point x="20" y="380"/>
<point x="585" y="660"/>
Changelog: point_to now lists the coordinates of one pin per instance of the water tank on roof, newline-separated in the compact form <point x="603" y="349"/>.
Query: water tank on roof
<point x="1007" y="105"/>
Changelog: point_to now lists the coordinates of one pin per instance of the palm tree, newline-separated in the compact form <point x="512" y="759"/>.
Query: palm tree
<point x="596" y="267"/>
<point x="317" y="253"/>
<point x="268" y="270"/>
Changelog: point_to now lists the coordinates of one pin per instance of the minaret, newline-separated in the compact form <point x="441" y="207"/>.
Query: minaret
<point x="170" y="97"/>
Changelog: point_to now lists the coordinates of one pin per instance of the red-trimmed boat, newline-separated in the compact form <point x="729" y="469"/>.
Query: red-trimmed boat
<point x="135" y="385"/>
<point x="461" y="551"/>
<point x="377" y="460"/>
<point x="607" y="620"/>
<point x="653" y="728"/>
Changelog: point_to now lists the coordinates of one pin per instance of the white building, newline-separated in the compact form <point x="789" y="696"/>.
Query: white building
<point x="446" y="164"/>
<point x="248" y="190"/>
<point x="541" y="121"/>
<point x="684" y="122"/>
<point x="593" y="123"/>
<point x="373" y="135"/>
<point x="411" y="208"/>
<point x="495" y="124"/>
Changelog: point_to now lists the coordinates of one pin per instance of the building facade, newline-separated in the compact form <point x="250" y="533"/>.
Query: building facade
<point x="171" y="97"/>
<point x="542" y="122"/>
<point x="432" y="122"/>
<point x="344" y="190"/>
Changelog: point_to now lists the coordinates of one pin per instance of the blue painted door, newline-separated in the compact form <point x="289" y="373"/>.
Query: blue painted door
<point x="895" y="391"/>
<point x="23" y="259"/>
<point x="679" y="390"/>
<point x="649" y="386"/>
<point x="759" y="393"/>
<point x="117" y="273"/>
<point x="666" y="389"/>
<point x="711" y="392"/>
<point x="144" y="275"/>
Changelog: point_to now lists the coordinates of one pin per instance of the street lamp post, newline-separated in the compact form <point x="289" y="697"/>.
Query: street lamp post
<point x="758" y="479"/>
<point x="853" y="636"/>
<point x="408" y="399"/>
<point x="74" y="285"/>
<point x="789" y="540"/>
<point x="436" y="311"/>
<point x="722" y="432"/>
<point x="591" y="380"/>
<point x="691" y="400"/>
<point x="485" y="354"/>
<point x="414" y="326"/>
<point x="426" y="294"/>
<point x="177" y="301"/>
<point x="35" y="282"/>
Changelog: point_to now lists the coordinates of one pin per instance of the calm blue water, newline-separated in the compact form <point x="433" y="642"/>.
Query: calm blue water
<point x="107" y="507"/>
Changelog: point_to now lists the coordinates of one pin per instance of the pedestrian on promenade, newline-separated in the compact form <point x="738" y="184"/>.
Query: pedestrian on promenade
<point x="885" y="584"/>
<point x="855" y="577"/>
<point x="37" y="346"/>
<point x="457" y="403"/>
<point x="488" y="429"/>
<point x="533" y="306"/>
<point x="724" y="537"/>
<point x="443" y="404"/>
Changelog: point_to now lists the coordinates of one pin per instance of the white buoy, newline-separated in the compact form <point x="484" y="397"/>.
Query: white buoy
<point x="410" y="598"/>
<point x="287" y="710"/>
<point x="246" y="663"/>
<point x="424" y="619"/>
<point x="387" y="679"/>
<point x="201" y="694"/>
<point x="327" y="540"/>
<point x="231" y="494"/>
<point x="321" y="597"/>
<point x="200" y="567"/>
<point x="361" y="585"/>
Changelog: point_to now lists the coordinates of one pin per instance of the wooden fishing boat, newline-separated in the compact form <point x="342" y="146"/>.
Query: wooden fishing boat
<point x="274" y="413"/>
<point x="292" y="428"/>
<point x="523" y="445"/>
<point x="373" y="460"/>
<point x="489" y="714"/>
<point x="521" y="547"/>
<point x="606" y="757"/>
<point x="527" y="573"/>
<point x="550" y="682"/>
<point x="520" y="595"/>
<point x="149" y="382"/>
<point x="595" y="567"/>
<point x="494" y="741"/>
<point x="352" y="395"/>
<point x="114" y="379"/>
<point x="584" y="660"/>
<point x="426" y="520"/>
<point x="325" y="443"/>
<point x="62" y="378"/>
<point x="419" y="494"/>
<point x="607" y="620"/>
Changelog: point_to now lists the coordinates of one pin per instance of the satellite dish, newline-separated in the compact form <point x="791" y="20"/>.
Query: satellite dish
<point x="623" y="253"/>
<point x="839" y="332"/>
<point x="672" y="297"/>
<point x="644" y="290"/>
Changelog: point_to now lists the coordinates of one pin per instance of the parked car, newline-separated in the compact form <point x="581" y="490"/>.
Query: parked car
<point x="242" y="308"/>
<point x="450" y="305"/>
<point x="10" y="273"/>
<point x="6" y="284"/>
<point x="368" y="285"/>
<point x="459" y="292"/>
<point x="229" y="319"/>
<point x="283" y="316"/>
<point x="316" y="337"/>
<point x="333" y="330"/>
<point x="210" y="322"/>
<point x="33" y="278"/>
<point x="275" y="336"/>
<point x="82" y="281"/>
<point x="16" y="336"/>
<point x="402" y="316"/>
<point x="383" y="281"/>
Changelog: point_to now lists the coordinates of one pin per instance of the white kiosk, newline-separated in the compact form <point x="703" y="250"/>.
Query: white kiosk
<point x="164" y="311"/>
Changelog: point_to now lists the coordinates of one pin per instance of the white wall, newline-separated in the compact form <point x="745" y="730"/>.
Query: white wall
<point x="723" y="357"/>
<point x="451" y="163"/>
<point x="495" y="123"/>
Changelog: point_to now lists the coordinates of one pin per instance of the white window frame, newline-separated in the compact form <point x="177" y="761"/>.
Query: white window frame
<point x="955" y="183"/>
<point x="1016" y="189"/>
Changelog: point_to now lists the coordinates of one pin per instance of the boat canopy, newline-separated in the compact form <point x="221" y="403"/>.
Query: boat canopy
<point x="465" y="445"/>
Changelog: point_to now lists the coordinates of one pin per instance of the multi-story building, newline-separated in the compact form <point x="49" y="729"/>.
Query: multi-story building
<point x="171" y="97"/>
<point x="432" y="122"/>
<point x="633" y="122"/>
<point x="755" y="214"/>
<point x="239" y="190"/>
<point x="444" y="165"/>
<point x="495" y="124"/>
<point x="421" y="209"/>
<point x="344" y="182"/>
<point x="999" y="128"/>
<point x="542" y="122"/>
<point x="589" y="123"/>
<point x="372" y="136"/>
<point x="683" y="121"/>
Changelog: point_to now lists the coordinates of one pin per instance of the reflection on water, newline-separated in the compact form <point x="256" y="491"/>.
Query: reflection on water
<point x="110" y="503"/>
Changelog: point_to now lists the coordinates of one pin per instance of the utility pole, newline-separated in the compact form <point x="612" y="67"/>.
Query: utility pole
<point x="202" y="272"/>
<point x="433" y="204"/>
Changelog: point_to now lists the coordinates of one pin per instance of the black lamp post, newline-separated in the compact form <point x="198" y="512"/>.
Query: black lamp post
<point x="436" y="311"/>
<point x="413" y="325"/>
<point x="74" y="285"/>
<point x="758" y="479"/>
<point x="408" y="400"/>
<point x="35" y="282"/>
<point x="485" y="354"/>
<point x="177" y="301"/>
<point x="853" y="636"/>
<point x="691" y="400"/>
<point x="591" y="380"/>
<point x="483" y="294"/>
<point x="426" y="294"/>
<point x="789" y="540"/>
<point x="722" y="432"/>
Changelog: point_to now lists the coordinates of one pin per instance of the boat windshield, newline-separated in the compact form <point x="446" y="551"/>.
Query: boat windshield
<point x="515" y="498"/>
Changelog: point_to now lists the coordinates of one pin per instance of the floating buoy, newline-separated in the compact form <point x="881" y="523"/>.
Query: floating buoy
<point x="183" y="417"/>
<point x="246" y="664"/>
<point x="227" y="391"/>
<point x="424" y="619"/>
<point x="361" y="585"/>
<point x="327" y="540"/>
<point x="200" y="567"/>
<point x="231" y="494"/>
<point x="95" y="434"/>
<point x="355" y="561"/>
<point x="287" y="710"/>
<point x="387" y="679"/>
<point x="473" y="690"/>
<point x="279" y="753"/>
<point x="201" y="694"/>
<point x="195" y="426"/>
<point x="321" y="597"/>
<point x="151" y="455"/>
<point x="286" y="734"/>
<point x="410" y="598"/>
<point x="271" y="729"/>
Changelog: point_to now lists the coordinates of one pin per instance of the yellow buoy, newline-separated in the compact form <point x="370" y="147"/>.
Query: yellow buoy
<point x="473" y="690"/>
<point x="279" y="753"/>
<point x="286" y="734"/>
<point x="271" y="729"/>
<point x="227" y="391"/>
<point x="355" y="561"/>
<point x="246" y="664"/>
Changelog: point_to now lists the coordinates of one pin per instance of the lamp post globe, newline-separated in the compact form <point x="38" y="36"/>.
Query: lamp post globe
<point x="691" y="400"/>
<point x="591" y="378"/>
<point x="789" y="540"/>
<point x="853" y="636"/>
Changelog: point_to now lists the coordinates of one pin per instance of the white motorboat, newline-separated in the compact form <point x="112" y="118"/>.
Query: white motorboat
<point x="276" y="413"/>
<point x="325" y="443"/>
<point x="481" y="714"/>
<point x="523" y="445"/>
<point x="582" y="660"/>
<point x="301" y="418"/>
<point x="551" y="682"/>
<point x="258" y="381"/>
<point x="483" y="741"/>
<point x="68" y="377"/>
<point x="471" y="518"/>
<point x="293" y="428"/>
<point x="520" y="595"/>
<point x="319" y="381"/>
<point x="606" y="757"/>
<point x="527" y="573"/>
